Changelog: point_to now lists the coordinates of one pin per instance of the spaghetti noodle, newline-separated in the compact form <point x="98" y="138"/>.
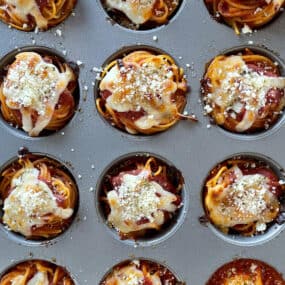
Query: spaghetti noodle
<point x="246" y="271"/>
<point x="141" y="14"/>
<point x="28" y="15"/>
<point x="38" y="93"/>
<point x="36" y="272"/>
<point x="142" y="93"/>
<point x="243" y="93"/>
<point x="141" y="196"/>
<point x="242" y="196"/>
<point x="39" y="197"/>
<point x="140" y="272"/>
<point x="244" y="15"/>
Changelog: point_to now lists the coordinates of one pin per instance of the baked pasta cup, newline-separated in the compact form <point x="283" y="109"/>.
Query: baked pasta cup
<point x="142" y="93"/>
<point x="243" y="196"/>
<point x="40" y="197"/>
<point x="38" y="92"/>
<point x="140" y="197"/>
<point x="36" y="272"/>
<point x="141" y="14"/>
<point x="140" y="272"/>
<point x="244" y="15"/>
<point x="243" y="92"/>
<point x="28" y="15"/>
<point x="246" y="271"/>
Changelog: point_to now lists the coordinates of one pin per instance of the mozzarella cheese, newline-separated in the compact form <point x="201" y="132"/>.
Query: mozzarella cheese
<point x="22" y="8"/>
<point x="40" y="278"/>
<point x="34" y="85"/>
<point x="136" y="199"/>
<point x="29" y="202"/>
<point x="131" y="275"/>
<point x="138" y="11"/>
<point x="239" y="86"/>
<point x="245" y="201"/>
<point x="148" y="86"/>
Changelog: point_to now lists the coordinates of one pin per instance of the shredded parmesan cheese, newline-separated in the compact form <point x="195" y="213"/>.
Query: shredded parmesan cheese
<point x="147" y="87"/>
<point x="138" y="199"/>
<point x="33" y="84"/>
<point x="30" y="201"/>
<point x="247" y="200"/>
<point x="239" y="87"/>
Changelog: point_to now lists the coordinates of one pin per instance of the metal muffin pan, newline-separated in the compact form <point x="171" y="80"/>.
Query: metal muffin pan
<point x="87" y="145"/>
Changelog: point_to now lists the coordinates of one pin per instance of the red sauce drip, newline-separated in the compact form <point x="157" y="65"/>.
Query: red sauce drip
<point x="42" y="3"/>
<point x="142" y="221"/>
<point x="132" y="115"/>
<point x="105" y="94"/>
<point x="65" y="99"/>
<point x="164" y="183"/>
<point x="262" y="69"/>
<point x="273" y="183"/>
<point x="274" y="96"/>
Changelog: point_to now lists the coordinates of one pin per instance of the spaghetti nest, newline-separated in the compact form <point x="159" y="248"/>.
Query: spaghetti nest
<point x="36" y="272"/>
<point x="141" y="196"/>
<point x="246" y="271"/>
<point x="27" y="15"/>
<point x="142" y="271"/>
<point x="243" y="93"/>
<point x="243" y="196"/>
<point x="40" y="198"/>
<point x="142" y="93"/>
<point x="141" y="14"/>
<point x="237" y="13"/>
<point x="55" y="115"/>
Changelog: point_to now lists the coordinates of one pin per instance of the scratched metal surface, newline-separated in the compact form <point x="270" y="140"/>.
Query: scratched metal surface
<point x="88" y="250"/>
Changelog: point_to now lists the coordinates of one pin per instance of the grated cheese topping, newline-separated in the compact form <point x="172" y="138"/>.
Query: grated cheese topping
<point x="136" y="199"/>
<point x="146" y="87"/>
<point x="33" y="84"/>
<point x="29" y="202"/>
<point x="138" y="11"/>
<point x="239" y="87"/>
<point x="23" y="8"/>
<point x="248" y="199"/>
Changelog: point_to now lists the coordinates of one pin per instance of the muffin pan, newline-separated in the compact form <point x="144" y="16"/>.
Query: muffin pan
<point x="87" y="145"/>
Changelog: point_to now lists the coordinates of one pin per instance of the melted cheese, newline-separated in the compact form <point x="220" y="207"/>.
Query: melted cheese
<point x="136" y="199"/>
<point x="240" y="86"/>
<point x="34" y="85"/>
<point x="138" y="11"/>
<point x="245" y="201"/>
<point x="131" y="275"/>
<point x="29" y="202"/>
<point x="244" y="279"/>
<point x="23" y="8"/>
<point x="145" y="87"/>
<point x="40" y="278"/>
